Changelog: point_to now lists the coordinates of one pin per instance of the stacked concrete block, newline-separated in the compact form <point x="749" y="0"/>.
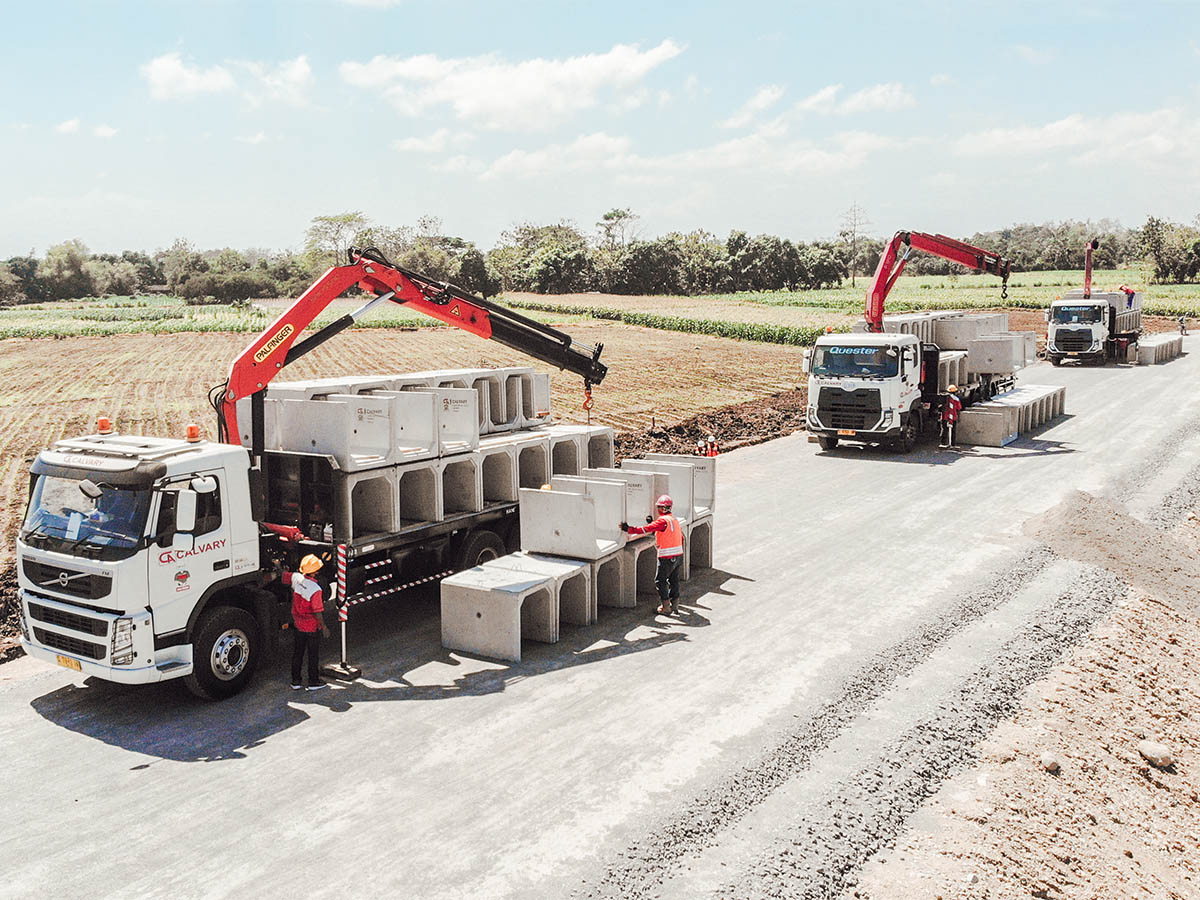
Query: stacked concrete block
<point x="360" y="431"/>
<point x="418" y="497"/>
<point x="365" y="503"/>
<point x="922" y="324"/>
<point x="568" y="450"/>
<point x="955" y="332"/>
<point x="575" y="525"/>
<point x="1159" y="348"/>
<point x="704" y="484"/>
<point x="681" y="478"/>
<point x="571" y="580"/>
<point x="536" y="406"/>
<point x="995" y="354"/>
<point x="454" y="416"/>
<point x="642" y="489"/>
<point x="490" y="610"/>
<point x="498" y="475"/>
<point x="530" y="451"/>
<point x="952" y="369"/>
<point x="461" y="484"/>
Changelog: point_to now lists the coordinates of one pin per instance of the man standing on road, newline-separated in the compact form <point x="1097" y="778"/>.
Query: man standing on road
<point x="951" y="407"/>
<point x="668" y="536"/>
<point x="307" y="608"/>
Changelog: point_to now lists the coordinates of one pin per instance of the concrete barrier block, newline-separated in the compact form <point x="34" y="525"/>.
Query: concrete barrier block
<point x="704" y="482"/>
<point x="571" y="578"/>
<point x="365" y="503"/>
<point x="600" y="450"/>
<point x="641" y="561"/>
<point x="642" y="489"/>
<point x="994" y="354"/>
<point x="699" y="544"/>
<point x="680" y="482"/>
<point x="418" y="494"/>
<point x="537" y="410"/>
<point x="615" y="580"/>
<point x="413" y="418"/>
<point x="987" y="427"/>
<point x="462" y="484"/>
<point x="356" y="431"/>
<point x="565" y="524"/>
<point x="1159" y="348"/>
<point x="498" y="475"/>
<point x="610" y="495"/>
<point x="456" y="417"/>
<point x="489" y="611"/>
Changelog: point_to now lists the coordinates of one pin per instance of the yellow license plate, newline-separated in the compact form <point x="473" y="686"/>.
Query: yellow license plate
<point x="846" y="431"/>
<point x="67" y="663"/>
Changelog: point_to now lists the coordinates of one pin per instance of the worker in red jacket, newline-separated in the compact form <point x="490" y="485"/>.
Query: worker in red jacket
<point x="951" y="407"/>
<point x="307" y="608"/>
<point x="668" y="536"/>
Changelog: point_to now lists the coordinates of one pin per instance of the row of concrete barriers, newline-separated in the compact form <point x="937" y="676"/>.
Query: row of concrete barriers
<point x="379" y="420"/>
<point x="574" y="558"/>
<point x="1158" y="348"/>
<point x="1006" y="416"/>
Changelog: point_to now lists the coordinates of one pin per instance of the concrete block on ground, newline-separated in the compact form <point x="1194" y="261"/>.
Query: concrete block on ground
<point x="462" y="483"/>
<point x="641" y="559"/>
<point x="418" y="494"/>
<point x="365" y="503"/>
<point x="566" y="524"/>
<point x="488" y="611"/>
<point x="571" y="578"/>
<point x="680" y="482"/>
<point x="698" y="544"/>
<point x="704" y="483"/>
<point x="642" y="489"/>
<point x="615" y="581"/>
<point x="1159" y="348"/>
<point x="1000" y="420"/>
<point x="987" y="427"/>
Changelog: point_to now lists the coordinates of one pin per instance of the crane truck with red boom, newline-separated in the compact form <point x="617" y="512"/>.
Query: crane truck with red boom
<point x="144" y="559"/>
<point x="884" y="388"/>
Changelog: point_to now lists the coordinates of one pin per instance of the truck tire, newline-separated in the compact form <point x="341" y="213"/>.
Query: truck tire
<point x="1056" y="361"/>
<point x="225" y="651"/>
<point x="480" y="546"/>
<point x="909" y="432"/>
<point x="827" y="441"/>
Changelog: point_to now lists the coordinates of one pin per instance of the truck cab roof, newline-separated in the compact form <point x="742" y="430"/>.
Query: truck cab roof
<point x="122" y="457"/>
<point x="867" y="339"/>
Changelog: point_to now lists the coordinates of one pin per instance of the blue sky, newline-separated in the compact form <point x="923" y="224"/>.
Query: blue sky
<point x="127" y="125"/>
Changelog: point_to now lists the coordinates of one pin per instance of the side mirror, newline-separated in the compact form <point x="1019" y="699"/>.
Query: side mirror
<point x="806" y="362"/>
<point x="204" y="484"/>
<point x="183" y="541"/>
<point x="1047" y="315"/>
<point x="185" y="512"/>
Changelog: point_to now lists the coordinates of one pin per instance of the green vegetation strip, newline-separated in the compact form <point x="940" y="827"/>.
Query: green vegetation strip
<point x="741" y="331"/>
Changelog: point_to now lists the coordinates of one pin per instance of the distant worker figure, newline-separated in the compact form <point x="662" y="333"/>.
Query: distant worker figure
<point x="307" y="607"/>
<point x="668" y="535"/>
<point x="950" y="410"/>
<point x="1183" y="324"/>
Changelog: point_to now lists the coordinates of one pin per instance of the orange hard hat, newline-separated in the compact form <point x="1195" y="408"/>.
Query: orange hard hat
<point x="309" y="564"/>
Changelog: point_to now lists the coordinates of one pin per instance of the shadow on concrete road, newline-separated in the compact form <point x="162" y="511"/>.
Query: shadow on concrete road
<point x="389" y="642"/>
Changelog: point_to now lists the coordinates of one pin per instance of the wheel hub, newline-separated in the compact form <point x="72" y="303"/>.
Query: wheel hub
<point x="230" y="653"/>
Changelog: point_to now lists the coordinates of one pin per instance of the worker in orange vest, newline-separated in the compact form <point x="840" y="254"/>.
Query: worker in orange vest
<point x="668" y="536"/>
<point x="951" y="407"/>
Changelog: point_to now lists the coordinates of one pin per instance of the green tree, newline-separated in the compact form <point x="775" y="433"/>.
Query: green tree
<point x="616" y="228"/>
<point x="10" y="287"/>
<point x="179" y="262"/>
<point x="64" y="270"/>
<point x="328" y="237"/>
<point x="476" y="276"/>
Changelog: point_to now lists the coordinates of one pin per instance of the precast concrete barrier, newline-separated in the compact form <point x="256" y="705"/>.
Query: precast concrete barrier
<point x="490" y="610"/>
<point x="571" y="580"/>
<point x="1159" y="348"/>
<point x="641" y="490"/>
<point x="461" y="484"/>
<point x="704" y="483"/>
<point x="955" y="332"/>
<point x="1002" y="419"/>
<point x="681" y="482"/>
<point x="563" y="523"/>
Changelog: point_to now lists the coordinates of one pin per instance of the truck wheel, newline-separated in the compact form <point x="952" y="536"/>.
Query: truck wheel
<point x="827" y="441"/>
<point x="1056" y="361"/>
<point x="480" y="546"/>
<point x="908" y="435"/>
<point x="224" y="653"/>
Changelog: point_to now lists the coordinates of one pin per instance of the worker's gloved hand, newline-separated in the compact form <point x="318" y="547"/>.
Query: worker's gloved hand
<point x="649" y="519"/>
<point x="624" y="526"/>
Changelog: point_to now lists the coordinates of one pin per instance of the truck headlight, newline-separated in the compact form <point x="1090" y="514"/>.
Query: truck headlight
<point x="122" y="642"/>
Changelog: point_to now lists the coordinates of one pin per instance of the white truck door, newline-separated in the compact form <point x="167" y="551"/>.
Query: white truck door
<point x="179" y="575"/>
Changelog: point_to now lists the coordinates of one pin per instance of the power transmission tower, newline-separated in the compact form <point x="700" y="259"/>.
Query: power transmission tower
<point x="854" y="220"/>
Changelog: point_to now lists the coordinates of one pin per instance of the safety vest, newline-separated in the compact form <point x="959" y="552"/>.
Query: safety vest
<point x="670" y="539"/>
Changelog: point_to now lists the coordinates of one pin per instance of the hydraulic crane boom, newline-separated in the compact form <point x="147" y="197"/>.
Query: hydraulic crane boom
<point x="276" y="347"/>
<point x="895" y="257"/>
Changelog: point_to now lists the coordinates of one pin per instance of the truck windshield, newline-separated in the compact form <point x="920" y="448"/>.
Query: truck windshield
<point x="61" y="517"/>
<point x="1077" y="315"/>
<point x="876" y="362"/>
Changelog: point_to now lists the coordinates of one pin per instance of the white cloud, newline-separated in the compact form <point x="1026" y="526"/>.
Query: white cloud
<point x="941" y="79"/>
<point x="889" y="96"/>
<point x="525" y="95"/>
<point x="691" y="86"/>
<point x="104" y="131"/>
<point x="1033" y="55"/>
<point x="459" y="165"/>
<point x="764" y="98"/>
<point x="287" y="82"/>
<point x="71" y="126"/>
<point x="589" y="151"/>
<point x="170" y="77"/>
<point x="253" y="139"/>
<point x="437" y="142"/>
<point x="1162" y="134"/>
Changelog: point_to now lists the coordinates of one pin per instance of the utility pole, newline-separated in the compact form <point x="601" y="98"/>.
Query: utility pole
<point x="854" y="220"/>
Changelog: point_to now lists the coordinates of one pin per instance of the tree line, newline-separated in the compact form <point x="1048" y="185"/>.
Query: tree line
<point x="562" y="258"/>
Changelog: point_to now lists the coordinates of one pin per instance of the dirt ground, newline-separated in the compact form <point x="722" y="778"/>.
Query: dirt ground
<point x="1107" y="823"/>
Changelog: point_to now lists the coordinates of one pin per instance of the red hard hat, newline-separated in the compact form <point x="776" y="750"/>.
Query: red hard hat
<point x="664" y="500"/>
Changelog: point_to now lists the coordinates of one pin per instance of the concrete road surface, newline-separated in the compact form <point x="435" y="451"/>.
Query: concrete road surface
<point x="870" y="617"/>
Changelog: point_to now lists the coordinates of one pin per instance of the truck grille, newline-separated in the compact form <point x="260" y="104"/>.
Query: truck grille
<point x="1073" y="340"/>
<point x="64" y="619"/>
<point x="67" y="581"/>
<point x="68" y="644"/>
<point x="858" y="409"/>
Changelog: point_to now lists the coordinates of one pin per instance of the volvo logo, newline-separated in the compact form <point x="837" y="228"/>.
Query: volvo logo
<point x="63" y="578"/>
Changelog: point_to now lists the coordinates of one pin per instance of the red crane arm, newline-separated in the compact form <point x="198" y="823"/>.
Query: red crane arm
<point x="276" y="347"/>
<point x="895" y="257"/>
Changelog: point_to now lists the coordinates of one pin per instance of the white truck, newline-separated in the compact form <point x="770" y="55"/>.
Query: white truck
<point x="888" y="388"/>
<point x="143" y="559"/>
<point x="1095" y="328"/>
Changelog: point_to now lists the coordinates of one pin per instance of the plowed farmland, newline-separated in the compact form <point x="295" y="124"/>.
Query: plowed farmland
<point x="156" y="384"/>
